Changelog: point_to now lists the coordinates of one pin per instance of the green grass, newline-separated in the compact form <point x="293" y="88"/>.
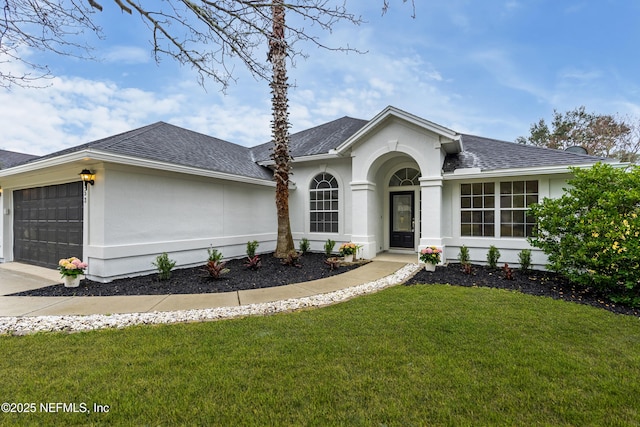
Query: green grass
<point x="420" y="355"/>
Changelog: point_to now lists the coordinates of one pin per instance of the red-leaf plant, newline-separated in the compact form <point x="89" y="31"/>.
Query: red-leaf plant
<point x="253" y="262"/>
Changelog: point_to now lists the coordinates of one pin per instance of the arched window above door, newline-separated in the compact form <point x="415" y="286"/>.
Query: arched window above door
<point x="405" y="177"/>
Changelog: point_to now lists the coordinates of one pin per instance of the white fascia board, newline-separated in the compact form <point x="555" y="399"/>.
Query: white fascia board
<point x="504" y="173"/>
<point x="325" y="156"/>
<point x="408" y="117"/>
<point x="46" y="163"/>
<point x="102" y="156"/>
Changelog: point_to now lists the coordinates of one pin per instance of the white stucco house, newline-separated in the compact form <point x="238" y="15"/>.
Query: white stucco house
<point x="396" y="182"/>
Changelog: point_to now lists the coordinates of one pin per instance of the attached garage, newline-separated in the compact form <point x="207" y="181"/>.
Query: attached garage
<point x="48" y="224"/>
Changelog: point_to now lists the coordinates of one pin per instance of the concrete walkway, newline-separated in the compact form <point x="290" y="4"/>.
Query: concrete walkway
<point x="15" y="277"/>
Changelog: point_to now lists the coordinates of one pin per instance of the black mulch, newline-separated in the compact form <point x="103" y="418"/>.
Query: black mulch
<point x="542" y="283"/>
<point x="272" y="273"/>
<point x="197" y="280"/>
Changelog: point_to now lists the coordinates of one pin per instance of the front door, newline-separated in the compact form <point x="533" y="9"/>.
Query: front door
<point x="402" y="220"/>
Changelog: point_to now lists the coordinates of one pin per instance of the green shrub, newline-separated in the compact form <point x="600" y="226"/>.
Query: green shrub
<point x="251" y="248"/>
<point x="304" y="245"/>
<point x="465" y="259"/>
<point x="524" y="256"/>
<point x="328" y="247"/>
<point x="164" y="266"/>
<point x="214" y="255"/>
<point x="590" y="234"/>
<point x="463" y="255"/>
<point x="493" y="255"/>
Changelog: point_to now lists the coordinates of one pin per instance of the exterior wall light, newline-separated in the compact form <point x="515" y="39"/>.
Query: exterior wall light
<point x="87" y="177"/>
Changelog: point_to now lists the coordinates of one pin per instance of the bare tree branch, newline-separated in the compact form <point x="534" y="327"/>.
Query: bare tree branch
<point x="211" y="36"/>
<point x="385" y="7"/>
<point x="46" y="25"/>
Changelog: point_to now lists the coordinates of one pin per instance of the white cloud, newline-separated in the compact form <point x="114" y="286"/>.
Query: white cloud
<point x="579" y="75"/>
<point x="505" y="72"/>
<point x="244" y="125"/>
<point x="127" y="55"/>
<point x="387" y="88"/>
<point x="73" y="111"/>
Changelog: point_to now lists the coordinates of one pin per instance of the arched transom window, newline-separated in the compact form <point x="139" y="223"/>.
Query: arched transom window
<point x="405" y="177"/>
<point x="323" y="195"/>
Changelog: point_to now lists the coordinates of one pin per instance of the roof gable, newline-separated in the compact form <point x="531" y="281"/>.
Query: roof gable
<point x="450" y="139"/>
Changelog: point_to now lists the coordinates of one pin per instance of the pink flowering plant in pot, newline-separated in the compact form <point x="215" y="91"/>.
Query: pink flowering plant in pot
<point x="430" y="255"/>
<point x="348" y="249"/>
<point x="71" y="267"/>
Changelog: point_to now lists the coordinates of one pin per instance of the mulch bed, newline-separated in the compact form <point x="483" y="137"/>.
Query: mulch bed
<point x="541" y="283"/>
<point x="196" y="280"/>
<point x="312" y="266"/>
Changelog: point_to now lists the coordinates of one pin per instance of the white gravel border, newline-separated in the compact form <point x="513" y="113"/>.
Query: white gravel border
<point x="24" y="325"/>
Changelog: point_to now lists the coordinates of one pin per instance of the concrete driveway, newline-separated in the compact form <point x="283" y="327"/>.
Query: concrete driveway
<point x="16" y="277"/>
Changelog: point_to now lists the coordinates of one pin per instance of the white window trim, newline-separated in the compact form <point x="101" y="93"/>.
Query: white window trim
<point x="457" y="194"/>
<point x="307" y="209"/>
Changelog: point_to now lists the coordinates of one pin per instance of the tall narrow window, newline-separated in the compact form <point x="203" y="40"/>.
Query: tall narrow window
<point x="515" y="198"/>
<point x="323" y="209"/>
<point x="477" y="209"/>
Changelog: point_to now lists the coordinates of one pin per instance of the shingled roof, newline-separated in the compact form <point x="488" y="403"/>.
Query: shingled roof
<point x="317" y="140"/>
<point x="168" y="143"/>
<point x="11" y="158"/>
<point x="172" y="144"/>
<point x="491" y="154"/>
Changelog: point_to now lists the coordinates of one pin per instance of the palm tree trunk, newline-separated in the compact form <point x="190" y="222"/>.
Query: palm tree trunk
<point x="280" y="128"/>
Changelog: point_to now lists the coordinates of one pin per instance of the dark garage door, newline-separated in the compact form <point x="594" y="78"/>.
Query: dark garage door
<point x="47" y="224"/>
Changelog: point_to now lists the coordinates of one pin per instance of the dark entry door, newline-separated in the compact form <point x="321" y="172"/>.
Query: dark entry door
<point x="402" y="220"/>
<point x="47" y="224"/>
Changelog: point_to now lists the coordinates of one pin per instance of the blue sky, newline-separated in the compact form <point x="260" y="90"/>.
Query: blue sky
<point x="489" y="68"/>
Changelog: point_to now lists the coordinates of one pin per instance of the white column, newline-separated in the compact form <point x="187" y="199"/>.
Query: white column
<point x="431" y="218"/>
<point x="363" y="211"/>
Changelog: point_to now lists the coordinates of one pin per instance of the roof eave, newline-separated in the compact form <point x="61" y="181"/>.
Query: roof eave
<point x="474" y="173"/>
<point x="332" y="154"/>
<point x="103" y="156"/>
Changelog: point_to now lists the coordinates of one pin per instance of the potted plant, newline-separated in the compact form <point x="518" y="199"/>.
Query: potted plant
<point x="430" y="256"/>
<point x="348" y="250"/>
<point x="70" y="269"/>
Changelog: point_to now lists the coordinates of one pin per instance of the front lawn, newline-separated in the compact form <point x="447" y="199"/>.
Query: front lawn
<point x="409" y="355"/>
